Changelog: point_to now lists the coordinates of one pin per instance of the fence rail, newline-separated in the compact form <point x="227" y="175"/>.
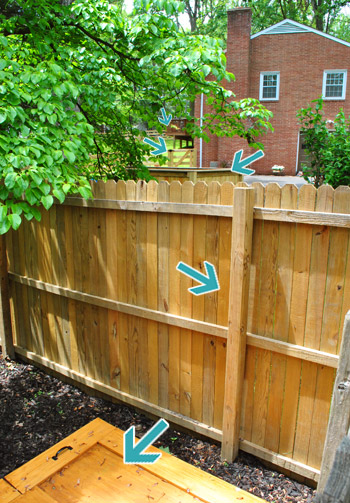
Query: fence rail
<point x="95" y="295"/>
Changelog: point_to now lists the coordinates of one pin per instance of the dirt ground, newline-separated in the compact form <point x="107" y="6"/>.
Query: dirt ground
<point x="38" y="410"/>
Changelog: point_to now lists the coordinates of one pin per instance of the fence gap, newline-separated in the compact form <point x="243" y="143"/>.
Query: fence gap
<point x="242" y="231"/>
<point x="6" y="337"/>
<point x="339" y="417"/>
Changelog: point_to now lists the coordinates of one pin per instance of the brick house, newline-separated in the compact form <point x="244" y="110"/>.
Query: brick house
<point x="285" y="66"/>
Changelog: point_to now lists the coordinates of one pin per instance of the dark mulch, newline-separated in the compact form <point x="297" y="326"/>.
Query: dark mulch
<point x="38" y="410"/>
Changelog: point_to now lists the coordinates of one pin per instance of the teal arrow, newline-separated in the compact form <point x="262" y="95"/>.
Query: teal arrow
<point x="209" y="281"/>
<point x="161" y="149"/>
<point x="133" y="454"/>
<point x="166" y="118"/>
<point x="238" y="165"/>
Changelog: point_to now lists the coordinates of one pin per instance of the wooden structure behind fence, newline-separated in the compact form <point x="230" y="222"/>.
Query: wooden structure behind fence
<point x="95" y="295"/>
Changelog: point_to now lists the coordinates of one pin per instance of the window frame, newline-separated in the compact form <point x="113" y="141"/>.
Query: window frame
<point x="332" y="98"/>
<point x="261" y="87"/>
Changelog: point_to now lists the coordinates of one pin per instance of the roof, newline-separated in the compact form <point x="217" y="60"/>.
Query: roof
<point x="290" y="26"/>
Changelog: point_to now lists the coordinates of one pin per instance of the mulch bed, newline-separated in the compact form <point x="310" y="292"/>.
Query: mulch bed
<point x="38" y="410"/>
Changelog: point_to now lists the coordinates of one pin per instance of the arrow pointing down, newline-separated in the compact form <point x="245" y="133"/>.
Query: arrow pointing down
<point x="166" y="118"/>
<point x="209" y="281"/>
<point x="133" y="454"/>
<point x="160" y="148"/>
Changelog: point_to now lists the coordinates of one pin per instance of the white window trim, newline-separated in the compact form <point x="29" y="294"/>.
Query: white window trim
<point x="324" y="85"/>
<point x="262" y="74"/>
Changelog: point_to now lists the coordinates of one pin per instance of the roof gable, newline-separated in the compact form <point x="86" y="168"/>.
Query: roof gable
<point x="290" y="26"/>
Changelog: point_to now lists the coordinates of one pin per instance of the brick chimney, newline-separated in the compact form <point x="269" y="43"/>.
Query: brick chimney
<point x="237" y="62"/>
<point x="238" y="49"/>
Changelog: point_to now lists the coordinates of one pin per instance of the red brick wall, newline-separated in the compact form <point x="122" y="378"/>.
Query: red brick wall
<point x="301" y="59"/>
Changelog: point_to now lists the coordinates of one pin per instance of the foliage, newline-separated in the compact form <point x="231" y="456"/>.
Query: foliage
<point x="76" y="81"/>
<point x="329" y="151"/>
<point x="319" y="14"/>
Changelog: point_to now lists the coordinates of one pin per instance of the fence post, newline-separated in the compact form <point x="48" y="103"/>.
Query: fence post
<point x="339" y="417"/>
<point x="5" y="314"/>
<point x="242" y="232"/>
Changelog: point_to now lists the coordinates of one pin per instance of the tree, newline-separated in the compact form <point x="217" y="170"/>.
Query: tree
<point x="328" y="149"/>
<point x="68" y="72"/>
<point x="319" y="14"/>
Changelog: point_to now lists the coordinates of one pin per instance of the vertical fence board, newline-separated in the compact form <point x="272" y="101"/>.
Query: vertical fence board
<point x="199" y="255"/>
<point x="316" y="294"/>
<point x="253" y="317"/>
<point x="186" y="302"/>
<point x="141" y="292"/>
<point x="122" y="265"/>
<point x="152" y="294"/>
<point x="303" y="250"/>
<point x="163" y="297"/>
<point x="242" y="230"/>
<point x="224" y="259"/>
<point x="265" y="321"/>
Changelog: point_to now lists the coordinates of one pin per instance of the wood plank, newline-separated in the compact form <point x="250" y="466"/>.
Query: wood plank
<point x="43" y="466"/>
<point x="186" y="299"/>
<point x="210" y="308"/>
<point x="303" y="242"/>
<point x="338" y="249"/>
<point x="267" y="294"/>
<point x="35" y="495"/>
<point x="309" y="217"/>
<point x="280" y="460"/>
<point x="198" y="398"/>
<point x="174" y="320"/>
<point x="148" y="407"/>
<point x="133" y="325"/>
<point x="284" y="278"/>
<point x="278" y="215"/>
<point x="152" y="294"/>
<point x="163" y="298"/>
<point x="317" y="287"/>
<point x="225" y="230"/>
<point x="253" y="317"/>
<point x="242" y="230"/>
<point x="293" y="350"/>
<point x="175" y="194"/>
<point x="7" y="492"/>
<point x="141" y="291"/>
<point x="190" y="479"/>
<point x="122" y="265"/>
<point x="339" y="418"/>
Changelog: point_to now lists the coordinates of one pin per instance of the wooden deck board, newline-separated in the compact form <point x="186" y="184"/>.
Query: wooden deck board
<point x="94" y="470"/>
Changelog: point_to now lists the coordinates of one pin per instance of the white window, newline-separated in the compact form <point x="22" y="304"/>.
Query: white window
<point x="334" y="84"/>
<point x="269" y="86"/>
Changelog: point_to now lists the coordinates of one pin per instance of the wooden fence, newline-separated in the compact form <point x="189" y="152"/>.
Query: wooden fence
<point x="95" y="295"/>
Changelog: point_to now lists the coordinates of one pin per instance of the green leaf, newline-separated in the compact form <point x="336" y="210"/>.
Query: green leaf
<point x="36" y="213"/>
<point x="5" y="226"/>
<point x="3" y="117"/>
<point x="3" y="212"/>
<point x="70" y="156"/>
<point x="47" y="202"/>
<point x="31" y="197"/>
<point x="59" y="194"/>
<point x="10" y="180"/>
<point x="85" y="192"/>
<point x="15" y="221"/>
